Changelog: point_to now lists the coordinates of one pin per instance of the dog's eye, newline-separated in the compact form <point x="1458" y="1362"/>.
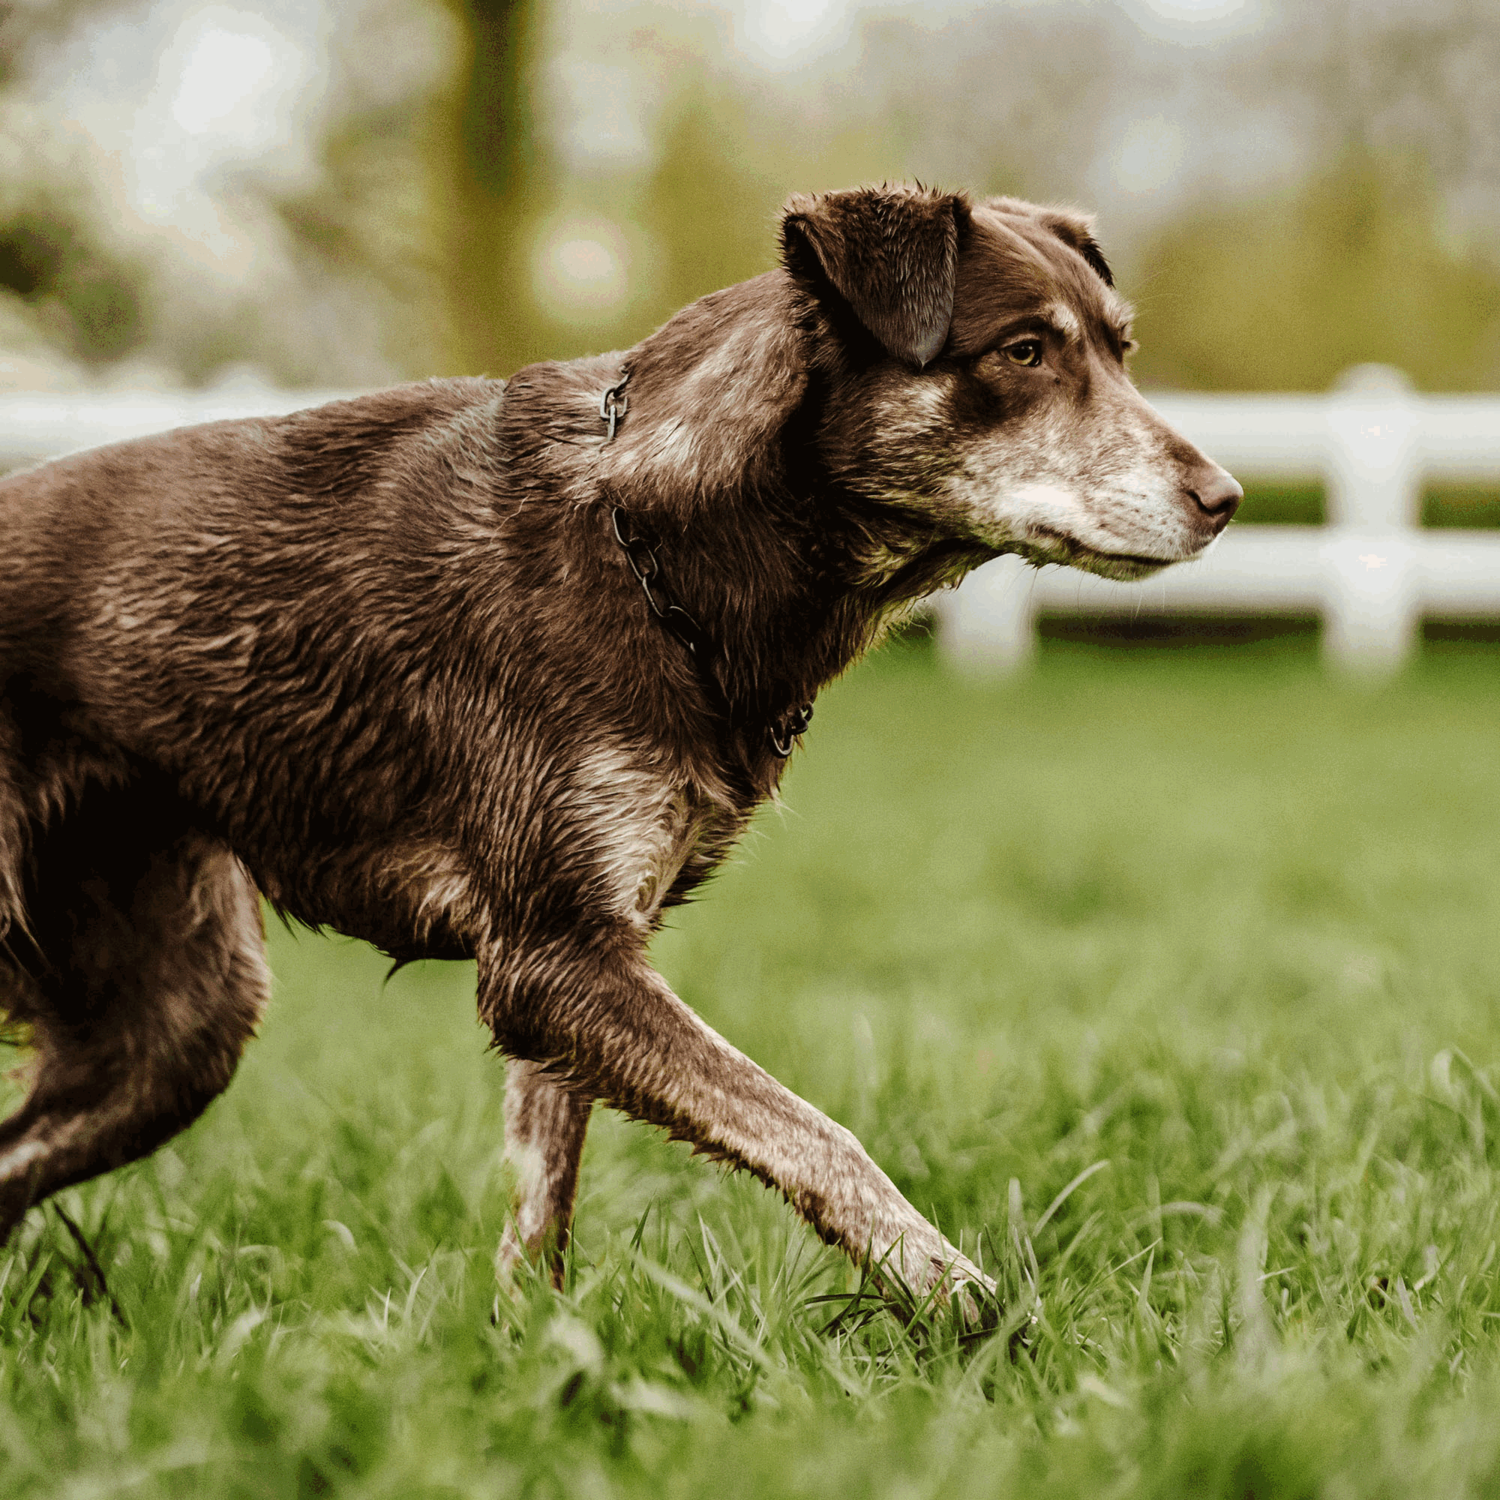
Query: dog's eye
<point x="1028" y="352"/>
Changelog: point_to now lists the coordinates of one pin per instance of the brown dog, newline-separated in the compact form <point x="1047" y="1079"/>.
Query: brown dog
<point x="390" y="663"/>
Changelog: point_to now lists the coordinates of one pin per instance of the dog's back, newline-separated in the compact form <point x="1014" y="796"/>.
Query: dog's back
<point x="186" y="598"/>
<point x="68" y="525"/>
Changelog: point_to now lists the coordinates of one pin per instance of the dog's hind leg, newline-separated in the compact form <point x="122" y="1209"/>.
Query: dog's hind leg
<point x="608" y="1023"/>
<point x="145" y="977"/>
<point x="545" y="1124"/>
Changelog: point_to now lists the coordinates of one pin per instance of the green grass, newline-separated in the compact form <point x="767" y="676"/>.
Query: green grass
<point x="1197" y="935"/>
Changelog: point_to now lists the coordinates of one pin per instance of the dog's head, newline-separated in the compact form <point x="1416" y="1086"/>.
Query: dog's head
<point x="978" y="353"/>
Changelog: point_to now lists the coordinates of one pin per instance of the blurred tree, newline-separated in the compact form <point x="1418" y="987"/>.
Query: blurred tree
<point x="32" y="24"/>
<point x="427" y="194"/>
<point x="58" y="277"/>
<point x="1283" y="294"/>
<point x="374" y="219"/>
<point x="1411" y="77"/>
<point x="710" y="214"/>
<point x="999" y="98"/>
<point x="80" y="297"/>
<point x="488" y="167"/>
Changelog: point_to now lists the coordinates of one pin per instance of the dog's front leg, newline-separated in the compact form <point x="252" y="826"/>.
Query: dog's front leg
<point x="609" y="1023"/>
<point x="545" y="1124"/>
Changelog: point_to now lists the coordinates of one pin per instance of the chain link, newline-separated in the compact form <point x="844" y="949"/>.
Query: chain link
<point x="796" y="723"/>
<point x="614" y="404"/>
<point x="641" y="556"/>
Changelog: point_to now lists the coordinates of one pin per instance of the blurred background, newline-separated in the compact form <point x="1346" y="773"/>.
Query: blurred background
<point x="341" y="195"/>
<point x="300" y="195"/>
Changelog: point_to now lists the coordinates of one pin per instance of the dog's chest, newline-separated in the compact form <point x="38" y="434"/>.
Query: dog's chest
<point x="638" y="827"/>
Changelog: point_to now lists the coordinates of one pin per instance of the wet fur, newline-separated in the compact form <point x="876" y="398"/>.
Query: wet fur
<point x="384" y="663"/>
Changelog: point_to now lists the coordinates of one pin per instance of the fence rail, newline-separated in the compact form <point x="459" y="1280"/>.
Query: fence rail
<point x="1372" y="572"/>
<point x="36" y="426"/>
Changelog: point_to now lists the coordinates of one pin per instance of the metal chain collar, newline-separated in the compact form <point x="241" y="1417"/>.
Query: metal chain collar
<point x="641" y="555"/>
<point x="614" y="404"/>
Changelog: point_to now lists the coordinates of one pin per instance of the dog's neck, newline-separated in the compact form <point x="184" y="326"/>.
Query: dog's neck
<point x="718" y="457"/>
<point x="717" y="460"/>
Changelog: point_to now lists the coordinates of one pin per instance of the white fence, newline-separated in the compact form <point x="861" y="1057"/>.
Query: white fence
<point x="1372" y="572"/>
<point x="34" y="425"/>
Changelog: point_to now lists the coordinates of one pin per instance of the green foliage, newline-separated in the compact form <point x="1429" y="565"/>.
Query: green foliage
<point x="701" y="211"/>
<point x="1286" y="292"/>
<point x="713" y="215"/>
<point x="488" y="184"/>
<point x="86" y="300"/>
<point x="1173" y="982"/>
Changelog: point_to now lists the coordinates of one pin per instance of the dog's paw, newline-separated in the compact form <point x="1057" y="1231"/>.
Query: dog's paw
<point x="914" y="1279"/>
<point x="958" y="1280"/>
<point x="520" y="1266"/>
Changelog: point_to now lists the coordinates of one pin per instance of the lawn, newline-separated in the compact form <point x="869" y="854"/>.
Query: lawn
<point x="1169" y="978"/>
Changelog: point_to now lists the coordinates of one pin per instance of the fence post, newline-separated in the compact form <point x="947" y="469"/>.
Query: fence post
<point x="1374" y="486"/>
<point x="987" y="627"/>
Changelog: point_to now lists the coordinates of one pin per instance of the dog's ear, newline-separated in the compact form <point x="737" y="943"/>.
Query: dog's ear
<point x="1073" y="228"/>
<point x="1077" y="230"/>
<point x="889" y="253"/>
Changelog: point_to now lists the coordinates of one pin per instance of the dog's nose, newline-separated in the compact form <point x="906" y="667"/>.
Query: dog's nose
<point x="1215" y="492"/>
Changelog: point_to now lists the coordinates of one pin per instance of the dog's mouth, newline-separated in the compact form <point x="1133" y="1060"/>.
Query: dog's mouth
<point x="1048" y="546"/>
